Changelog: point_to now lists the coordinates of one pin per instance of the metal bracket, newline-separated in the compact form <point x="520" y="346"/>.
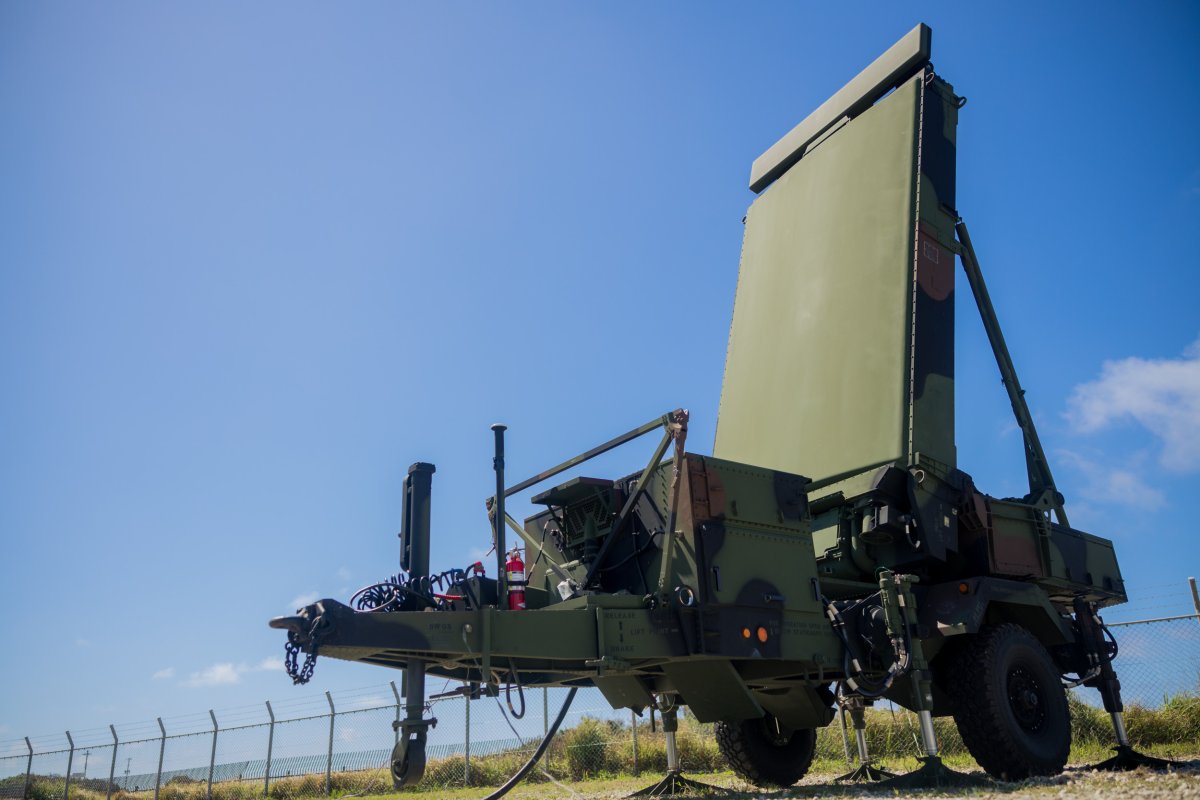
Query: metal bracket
<point x="609" y="664"/>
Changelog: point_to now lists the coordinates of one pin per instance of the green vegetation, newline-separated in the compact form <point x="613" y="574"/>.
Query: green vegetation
<point x="603" y="750"/>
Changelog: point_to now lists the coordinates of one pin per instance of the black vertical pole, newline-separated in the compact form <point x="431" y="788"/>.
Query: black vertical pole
<point x="414" y="525"/>
<point x="408" y="755"/>
<point x="414" y="558"/>
<point x="498" y="465"/>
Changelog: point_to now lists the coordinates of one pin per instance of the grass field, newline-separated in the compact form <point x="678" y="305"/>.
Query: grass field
<point x="595" y="759"/>
<point x="1075" y="782"/>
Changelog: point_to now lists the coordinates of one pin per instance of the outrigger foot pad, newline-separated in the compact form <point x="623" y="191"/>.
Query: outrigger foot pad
<point x="1128" y="759"/>
<point x="864" y="774"/>
<point x="933" y="774"/>
<point x="675" y="784"/>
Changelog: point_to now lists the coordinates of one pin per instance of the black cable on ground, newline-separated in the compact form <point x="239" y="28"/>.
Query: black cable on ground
<point x="520" y="774"/>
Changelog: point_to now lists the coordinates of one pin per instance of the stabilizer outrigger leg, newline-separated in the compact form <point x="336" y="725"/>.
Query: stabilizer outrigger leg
<point x="866" y="770"/>
<point x="1104" y="678"/>
<point x="674" y="783"/>
<point x="896" y="592"/>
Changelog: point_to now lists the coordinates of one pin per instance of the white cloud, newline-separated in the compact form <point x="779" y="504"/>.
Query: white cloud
<point x="1161" y="395"/>
<point x="81" y="642"/>
<point x="1109" y="485"/>
<point x="308" y="598"/>
<point x="343" y="573"/>
<point x="223" y="674"/>
<point x="163" y="674"/>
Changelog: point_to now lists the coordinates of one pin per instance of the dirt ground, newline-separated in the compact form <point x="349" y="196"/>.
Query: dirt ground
<point x="1074" y="784"/>
<point x="1139" y="785"/>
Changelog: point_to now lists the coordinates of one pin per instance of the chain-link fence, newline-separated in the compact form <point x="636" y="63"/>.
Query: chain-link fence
<point x="341" y="744"/>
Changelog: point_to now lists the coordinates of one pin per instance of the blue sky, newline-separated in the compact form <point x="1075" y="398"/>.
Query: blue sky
<point x="257" y="259"/>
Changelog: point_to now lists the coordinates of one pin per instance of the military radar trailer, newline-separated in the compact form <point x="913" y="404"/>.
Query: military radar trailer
<point x="830" y="549"/>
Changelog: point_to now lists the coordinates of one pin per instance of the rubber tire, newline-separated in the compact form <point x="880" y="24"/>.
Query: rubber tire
<point x="760" y="758"/>
<point x="979" y="681"/>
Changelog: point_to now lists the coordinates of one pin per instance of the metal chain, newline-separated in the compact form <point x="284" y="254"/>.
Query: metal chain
<point x="291" y="649"/>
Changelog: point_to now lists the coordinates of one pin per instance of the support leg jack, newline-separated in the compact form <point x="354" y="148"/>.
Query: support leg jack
<point x="932" y="773"/>
<point x="674" y="783"/>
<point x="1128" y="759"/>
<point x="1100" y="649"/>
<point x="866" y="771"/>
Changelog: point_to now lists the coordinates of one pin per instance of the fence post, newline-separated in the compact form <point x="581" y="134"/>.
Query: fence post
<point x="212" y="759"/>
<point x="28" y="770"/>
<point x="396" y="726"/>
<point x="112" y="767"/>
<point x="633" y="727"/>
<point x="546" y="720"/>
<point x="270" y="745"/>
<point x="467" y="739"/>
<point x="845" y="738"/>
<point x="1195" y="595"/>
<point x="329" y="759"/>
<point x="70" y="759"/>
<point x="162" y="749"/>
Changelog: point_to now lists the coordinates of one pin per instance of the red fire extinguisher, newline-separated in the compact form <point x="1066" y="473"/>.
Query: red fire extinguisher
<point x="515" y="568"/>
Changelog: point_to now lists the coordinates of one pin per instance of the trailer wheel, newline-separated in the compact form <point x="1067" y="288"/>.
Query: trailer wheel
<point x="765" y="754"/>
<point x="1009" y="704"/>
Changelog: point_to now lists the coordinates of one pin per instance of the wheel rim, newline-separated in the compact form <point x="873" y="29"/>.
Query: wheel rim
<point x="1026" y="699"/>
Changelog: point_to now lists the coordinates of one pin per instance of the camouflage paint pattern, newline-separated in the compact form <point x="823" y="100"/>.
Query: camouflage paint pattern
<point x="841" y="349"/>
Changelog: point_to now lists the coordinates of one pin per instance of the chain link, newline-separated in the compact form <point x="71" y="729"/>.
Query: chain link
<point x="291" y="649"/>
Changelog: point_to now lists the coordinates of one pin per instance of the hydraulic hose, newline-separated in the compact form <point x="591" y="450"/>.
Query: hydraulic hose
<point x="520" y="774"/>
<point x="854" y="672"/>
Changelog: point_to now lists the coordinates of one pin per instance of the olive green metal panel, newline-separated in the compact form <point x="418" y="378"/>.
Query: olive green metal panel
<point x="899" y="62"/>
<point x="817" y="372"/>
<point x="797" y="706"/>
<point x="712" y="689"/>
